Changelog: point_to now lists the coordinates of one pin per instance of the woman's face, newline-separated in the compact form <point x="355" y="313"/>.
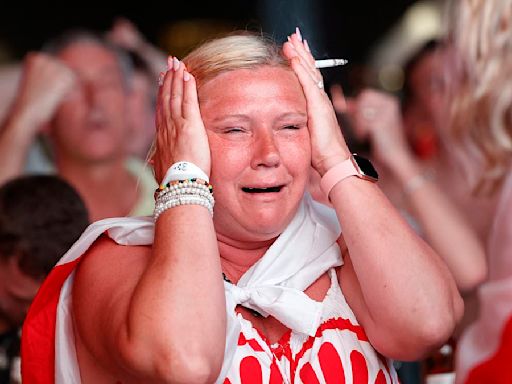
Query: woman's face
<point x="257" y="130"/>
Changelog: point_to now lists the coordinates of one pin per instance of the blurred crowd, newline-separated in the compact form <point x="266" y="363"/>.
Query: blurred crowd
<point x="77" y="124"/>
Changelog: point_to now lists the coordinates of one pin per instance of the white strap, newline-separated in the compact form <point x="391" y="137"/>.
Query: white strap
<point x="184" y="170"/>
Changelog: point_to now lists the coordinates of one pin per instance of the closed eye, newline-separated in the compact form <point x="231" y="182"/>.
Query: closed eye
<point x="291" y="127"/>
<point x="233" y="130"/>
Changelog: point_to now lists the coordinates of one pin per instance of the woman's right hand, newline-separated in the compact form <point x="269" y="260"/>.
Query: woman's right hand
<point x="180" y="131"/>
<point x="328" y="146"/>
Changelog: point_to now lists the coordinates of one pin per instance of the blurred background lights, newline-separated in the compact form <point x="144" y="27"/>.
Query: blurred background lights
<point x="422" y="21"/>
<point x="391" y="78"/>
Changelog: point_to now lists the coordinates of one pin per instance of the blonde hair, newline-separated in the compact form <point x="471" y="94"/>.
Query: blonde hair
<point x="482" y="105"/>
<point x="238" y="50"/>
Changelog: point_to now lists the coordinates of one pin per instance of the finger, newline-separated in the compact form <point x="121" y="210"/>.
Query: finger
<point x="289" y="50"/>
<point x="293" y="55"/>
<point x="158" y="113"/>
<point x="309" y="84"/>
<point x="166" y="89"/>
<point x="190" y="101"/>
<point x="177" y="89"/>
<point x="298" y="44"/>
<point x="338" y="99"/>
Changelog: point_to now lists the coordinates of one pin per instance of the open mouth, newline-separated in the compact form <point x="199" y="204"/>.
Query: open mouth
<point x="263" y="190"/>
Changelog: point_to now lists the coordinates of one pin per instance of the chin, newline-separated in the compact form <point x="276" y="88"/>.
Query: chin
<point x="255" y="227"/>
<point x="101" y="155"/>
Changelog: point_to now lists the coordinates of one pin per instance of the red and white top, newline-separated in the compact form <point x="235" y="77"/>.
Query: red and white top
<point x="326" y="340"/>
<point x="339" y="352"/>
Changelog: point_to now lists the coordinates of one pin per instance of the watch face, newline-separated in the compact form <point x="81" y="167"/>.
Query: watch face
<point x="366" y="167"/>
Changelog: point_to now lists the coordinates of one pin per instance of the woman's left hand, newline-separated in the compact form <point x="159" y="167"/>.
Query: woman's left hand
<point x="328" y="146"/>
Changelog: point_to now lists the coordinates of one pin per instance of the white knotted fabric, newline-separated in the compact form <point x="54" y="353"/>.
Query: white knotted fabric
<point x="273" y="286"/>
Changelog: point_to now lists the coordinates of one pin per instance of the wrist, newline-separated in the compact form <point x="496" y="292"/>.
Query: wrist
<point x="26" y="118"/>
<point x="416" y="182"/>
<point x="21" y="128"/>
<point x="329" y="162"/>
<point x="405" y="168"/>
<point x="355" y="165"/>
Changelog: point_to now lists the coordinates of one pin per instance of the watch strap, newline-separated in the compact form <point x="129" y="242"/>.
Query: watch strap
<point x="336" y="174"/>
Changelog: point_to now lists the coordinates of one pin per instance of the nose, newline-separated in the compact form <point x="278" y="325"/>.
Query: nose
<point x="265" y="151"/>
<point x="92" y="94"/>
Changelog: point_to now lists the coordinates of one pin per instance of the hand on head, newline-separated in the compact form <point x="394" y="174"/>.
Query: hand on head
<point x="45" y="83"/>
<point x="180" y="131"/>
<point x="327" y="143"/>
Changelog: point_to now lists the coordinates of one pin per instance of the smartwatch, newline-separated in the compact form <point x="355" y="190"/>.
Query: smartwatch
<point x="355" y="165"/>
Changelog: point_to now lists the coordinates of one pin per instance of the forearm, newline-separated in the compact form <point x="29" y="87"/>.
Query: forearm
<point x="178" y="308"/>
<point x="15" y="143"/>
<point x="443" y="225"/>
<point x="405" y="285"/>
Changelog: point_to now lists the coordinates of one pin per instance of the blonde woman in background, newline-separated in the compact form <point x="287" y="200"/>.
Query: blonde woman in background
<point x="482" y="122"/>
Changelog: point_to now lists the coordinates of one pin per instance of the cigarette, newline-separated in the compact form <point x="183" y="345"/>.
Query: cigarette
<point x="330" y="63"/>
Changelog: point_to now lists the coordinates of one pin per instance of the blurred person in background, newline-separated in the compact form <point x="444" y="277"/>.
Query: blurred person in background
<point x="40" y="218"/>
<point x="75" y="93"/>
<point x="425" y="108"/>
<point x="481" y="122"/>
<point x="125" y="34"/>
<point x="141" y="108"/>
<point x="148" y="62"/>
<point x="411" y="150"/>
<point x="375" y="116"/>
<point x="9" y="80"/>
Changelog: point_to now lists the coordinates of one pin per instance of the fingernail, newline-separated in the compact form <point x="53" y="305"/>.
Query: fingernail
<point x="186" y="76"/>
<point x="306" y="45"/>
<point x="299" y="35"/>
<point x="161" y="78"/>
<point x="169" y="63"/>
<point x="176" y="65"/>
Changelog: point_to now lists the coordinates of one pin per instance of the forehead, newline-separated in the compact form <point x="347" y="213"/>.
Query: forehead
<point x="87" y="56"/>
<point x="252" y="89"/>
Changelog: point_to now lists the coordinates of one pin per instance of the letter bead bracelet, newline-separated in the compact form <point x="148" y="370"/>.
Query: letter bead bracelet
<point x="174" y="192"/>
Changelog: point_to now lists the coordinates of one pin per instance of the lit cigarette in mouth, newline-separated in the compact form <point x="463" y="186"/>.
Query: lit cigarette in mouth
<point x="330" y="63"/>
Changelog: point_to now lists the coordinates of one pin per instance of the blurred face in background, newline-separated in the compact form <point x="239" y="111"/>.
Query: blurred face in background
<point x="17" y="290"/>
<point x="141" y="111"/>
<point x="429" y="84"/>
<point x="91" y="123"/>
<point x="426" y="114"/>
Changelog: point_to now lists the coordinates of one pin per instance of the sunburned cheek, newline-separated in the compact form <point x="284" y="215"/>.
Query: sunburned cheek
<point x="227" y="163"/>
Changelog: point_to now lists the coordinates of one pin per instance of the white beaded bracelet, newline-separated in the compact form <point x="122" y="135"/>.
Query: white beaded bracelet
<point x="176" y="201"/>
<point x="184" y="187"/>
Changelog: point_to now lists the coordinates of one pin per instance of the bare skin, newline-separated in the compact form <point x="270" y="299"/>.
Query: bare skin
<point x="78" y="100"/>
<point x="445" y="228"/>
<point x="257" y="125"/>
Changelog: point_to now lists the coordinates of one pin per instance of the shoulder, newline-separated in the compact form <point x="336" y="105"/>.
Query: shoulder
<point x="103" y="287"/>
<point x="107" y="265"/>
